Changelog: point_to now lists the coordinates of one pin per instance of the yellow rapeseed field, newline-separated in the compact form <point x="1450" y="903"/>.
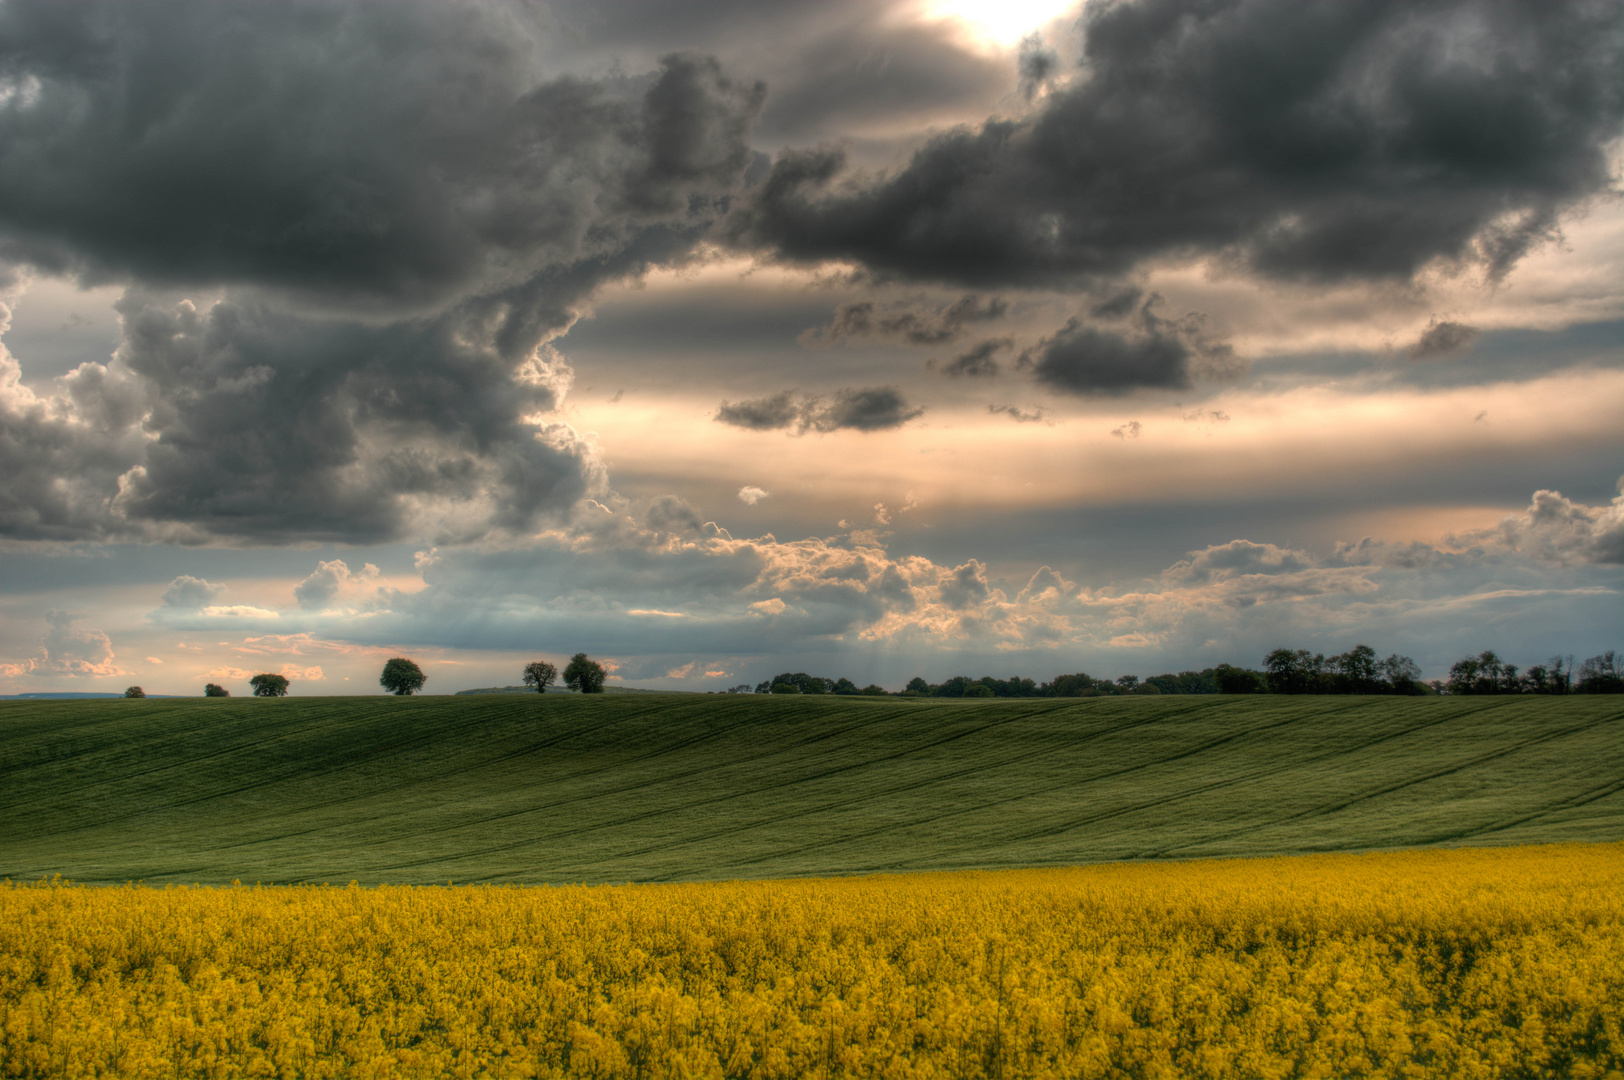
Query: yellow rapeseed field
<point x="1487" y="962"/>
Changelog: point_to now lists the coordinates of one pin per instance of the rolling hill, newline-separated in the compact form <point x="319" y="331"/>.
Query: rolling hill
<point x="561" y="788"/>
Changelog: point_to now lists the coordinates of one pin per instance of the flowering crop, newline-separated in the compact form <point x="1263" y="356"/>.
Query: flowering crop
<point x="1485" y="962"/>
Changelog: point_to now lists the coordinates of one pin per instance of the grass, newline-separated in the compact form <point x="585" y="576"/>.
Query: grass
<point x="561" y="788"/>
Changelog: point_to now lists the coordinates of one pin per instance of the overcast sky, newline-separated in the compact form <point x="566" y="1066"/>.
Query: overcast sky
<point x="719" y="339"/>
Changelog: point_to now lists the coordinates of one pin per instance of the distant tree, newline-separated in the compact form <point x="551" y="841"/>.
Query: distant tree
<point x="268" y="685"/>
<point x="844" y="686"/>
<point x="1146" y="689"/>
<point x="742" y="688"/>
<point x="1188" y="682"/>
<point x="1357" y="671"/>
<point x="1080" y="684"/>
<point x="916" y="685"/>
<point x="584" y="674"/>
<point x="874" y="690"/>
<point x="1290" y="672"/>
<point x="764" y="687"/>
<point x="785" y="688"/>
<point x="1561" y="673"/>
<point x="1229" y="679"/>
<point x="135" y="691"/>
<point x="978" y="690"/>
<point x="1127" y="683"/>
<point x="1602" y="674"/>
<point x="539" y="675"/>
<point x="215" y="690"/>
<point x="1463" y="676"/>
<point x="402" y="677"/>
<point x="1401" y="673"/>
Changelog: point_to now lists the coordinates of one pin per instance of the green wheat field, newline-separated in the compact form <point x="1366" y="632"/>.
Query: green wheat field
<point x="564" y="788"/>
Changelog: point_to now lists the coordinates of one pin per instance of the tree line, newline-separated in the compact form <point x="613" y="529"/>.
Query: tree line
<point x="1360" y="670"/>
<point x="1284" y="671"/>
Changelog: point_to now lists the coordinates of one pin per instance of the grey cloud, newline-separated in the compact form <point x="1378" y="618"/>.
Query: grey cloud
<point x="393" y="154"/>
<point x="915" y="323"/>
<point x="1117" y="305"/>
<point x="188" y="593"/>
<point x="762" y="414"/>
<point x="1154" y="351"/>
<point x="1333" y="141"/>
<point x="670" y="514"/>
<point x="1444" y="339"/>
<point x="400" y="214"/>
<point x="1080" y="359"/>
<point x="979" y="360"/>
<point x="1016" y="414"/>
<point x="874" y="408"/>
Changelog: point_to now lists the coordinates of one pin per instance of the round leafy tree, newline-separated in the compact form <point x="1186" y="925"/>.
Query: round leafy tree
<point x="215" y="690"/>
<point x="539" y="676"/>
<point x="584" y="674"/>
<point x="135" y="691"/>
<point x="268" y="685"/>
<point x="402" y="677"/>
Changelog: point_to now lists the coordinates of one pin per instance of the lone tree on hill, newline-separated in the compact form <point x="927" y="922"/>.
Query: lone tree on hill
<point x="584" y="674"/>
<point x="539" y="675"/>
<point x="401" y="677"/>
<point x="135" y="691"/>
<point x="215" y="690"/>
<point x="268" y="685"/>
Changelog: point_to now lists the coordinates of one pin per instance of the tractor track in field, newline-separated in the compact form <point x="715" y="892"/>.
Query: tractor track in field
<point x="661" y="752"/>
<point x="1031" y="793"/>
<point x="709" y="801"/>
<point x="665" y="788"/>
<point x="367" y="754"/>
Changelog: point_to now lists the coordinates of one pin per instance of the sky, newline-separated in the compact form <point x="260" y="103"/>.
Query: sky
<point x="721" y="339"/>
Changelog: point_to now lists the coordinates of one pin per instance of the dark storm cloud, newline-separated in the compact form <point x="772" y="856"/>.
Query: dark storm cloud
<point x="979" y="360"/>
<point x="391" y="154"/>
<point x="1147" y="351"/>
<point x="874" y="408"/>
<point x="1081" y="359"/>
<point x="1300" y="141"/>
<point x="913" y="322"/>
<point x="399" y="214"/>
<point x="1444" y="339"/>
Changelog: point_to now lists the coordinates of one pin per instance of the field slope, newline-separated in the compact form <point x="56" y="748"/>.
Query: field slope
<point x="651" y="787"/>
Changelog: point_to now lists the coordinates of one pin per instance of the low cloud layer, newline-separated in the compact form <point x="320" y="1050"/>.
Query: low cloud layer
<point x="874" y="408"/>
<point x="1301" y="142"/>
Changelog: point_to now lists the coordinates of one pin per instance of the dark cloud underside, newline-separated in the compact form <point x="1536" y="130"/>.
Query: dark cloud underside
<point x="1305" y="141"/>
